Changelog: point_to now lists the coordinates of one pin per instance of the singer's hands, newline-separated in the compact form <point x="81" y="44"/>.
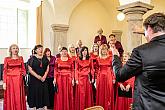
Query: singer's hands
<point x="43" y="78"/>
<point x="76" y="81"/>
<point x="4" y="86"/>
<point x="54" y="81"/>
<point x="127" y="88"/>
<point x="73" y="82"/>
<point x="114" y="51"/>
<point x="122" y="87"/>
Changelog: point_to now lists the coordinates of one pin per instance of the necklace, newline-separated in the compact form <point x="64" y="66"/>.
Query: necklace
<point x="40" y="60"/>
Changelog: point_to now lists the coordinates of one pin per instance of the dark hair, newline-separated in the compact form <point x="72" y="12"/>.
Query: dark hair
<point x="36" y="47"/>
<point x="32" y="51"/>
<point x="81" y="55"/>
<point x="112" y="35"/>
<point x="156" y="21"/>
<point x="47" y="50"/>
<point x="64" y="48"/>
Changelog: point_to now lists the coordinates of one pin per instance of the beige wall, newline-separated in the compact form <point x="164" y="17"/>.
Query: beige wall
<point x="159" y="6"/>
<point x="88" y="17"/>
<point x="48" y="20"/>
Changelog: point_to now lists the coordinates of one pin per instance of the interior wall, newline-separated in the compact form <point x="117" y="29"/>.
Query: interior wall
<point x="159" y="6"/>
<point x="48" y="20"/>
<point x="88" y="17"/>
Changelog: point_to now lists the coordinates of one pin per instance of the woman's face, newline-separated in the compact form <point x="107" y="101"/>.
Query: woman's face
<point x="48" y="53"/>
<point x="39" y="51"/>
<point x="14" y="50"/>
<point x="104" y="51"/>
<point x="95" y="48"/>
<point x="64" y="53"/>
<point x="111" y="44"/>
<point x="125" y="57"/>
<point x="84" y="53"/>
<point x="72" y="49"/>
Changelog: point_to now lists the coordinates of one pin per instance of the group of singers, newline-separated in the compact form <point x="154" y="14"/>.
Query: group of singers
<point x="74" y="79"/>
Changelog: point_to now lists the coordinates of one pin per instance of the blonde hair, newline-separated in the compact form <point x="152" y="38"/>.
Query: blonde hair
<point x="71" y="45"/>
<point x="13" y="45"/>
<point x="100" y="30"/>
<point x="103" y="47"/>
<point x="92" y="48"/>
<point x="127" y="53"/>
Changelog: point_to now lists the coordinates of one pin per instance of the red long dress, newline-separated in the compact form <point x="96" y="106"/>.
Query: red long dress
<point x="64" y="75"/>
<point x="74" y="58"/>
<point x="94" y="58"/>
<point x="84" y="94"/>
<point x="14" y="95"/>
<point x="123" y="103"/>
<point x="104" y="84"/>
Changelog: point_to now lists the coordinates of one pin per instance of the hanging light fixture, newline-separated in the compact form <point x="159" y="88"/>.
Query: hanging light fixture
<point x="120" y="16"/>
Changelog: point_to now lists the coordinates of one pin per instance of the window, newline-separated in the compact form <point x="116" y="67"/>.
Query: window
<point x="13" y="27"/>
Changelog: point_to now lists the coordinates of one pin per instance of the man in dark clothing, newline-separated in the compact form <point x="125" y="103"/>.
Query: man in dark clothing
<point x="147" y="64"/>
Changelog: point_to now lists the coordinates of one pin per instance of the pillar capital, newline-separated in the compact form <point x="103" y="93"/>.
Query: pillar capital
<point x="60" y="36"/>
<point x="134" y="14"/>
<point x="135" y="7"/>
<point x="60" y="27"/>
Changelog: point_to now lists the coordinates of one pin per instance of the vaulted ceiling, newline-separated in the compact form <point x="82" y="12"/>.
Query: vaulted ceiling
<point x="64" y="8"/>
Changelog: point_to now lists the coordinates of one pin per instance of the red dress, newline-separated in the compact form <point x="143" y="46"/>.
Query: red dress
<point x="123" y="103"/>
<point x="94" y="58"/>
<point x="84" y="94"/>
<point x="74" y="58"/>
<point x="64" y="74"/>
<point x="14" y="95"/>
<point x="104" y="84"/>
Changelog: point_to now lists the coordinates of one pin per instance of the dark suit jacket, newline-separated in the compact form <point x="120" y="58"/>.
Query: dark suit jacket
<point x="147" y="64"/>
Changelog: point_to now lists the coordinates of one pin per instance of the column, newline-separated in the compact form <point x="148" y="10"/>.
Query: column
<point x="60" y="36"/>
<point x="134" y="14"/>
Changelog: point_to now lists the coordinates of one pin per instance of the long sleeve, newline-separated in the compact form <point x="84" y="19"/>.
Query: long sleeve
<point x="119" y="48"/>
<point x="55" y="69"/>
<point x="76" y="70"/>
<point x="104" y="40"/>
<point x="96" y="67"/>
<point x="72" y="69"/>
<point x="23" y="70"/>
<point x="5" y="70"/>
<point x="130" y="69"/>
<point x="92" y="68"/>
<point x="96" y="39"/>
<point x="131" y="81"/>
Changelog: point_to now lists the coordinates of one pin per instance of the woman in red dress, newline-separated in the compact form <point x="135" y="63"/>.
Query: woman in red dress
<point x="95" y="51"/>
<point x="13" y="84"/>
<point x="84" y="67"/>
<point x="63" y="78"/>
<point x="105" y="80"/>
<point x="72" y="54"/>
<point x="124" y="103"/>
<point x="93" y="55"/>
